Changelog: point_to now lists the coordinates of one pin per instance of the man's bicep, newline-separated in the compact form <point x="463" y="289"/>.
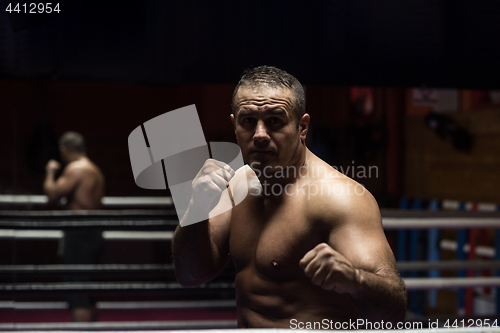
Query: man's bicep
<point x="361" y="239"/>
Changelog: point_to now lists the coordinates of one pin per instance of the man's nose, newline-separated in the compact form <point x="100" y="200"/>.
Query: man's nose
<point x="261" y="134"/>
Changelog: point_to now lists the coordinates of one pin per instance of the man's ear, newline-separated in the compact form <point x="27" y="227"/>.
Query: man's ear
<point x="232" y="120"/>
<point x="304" y="126"/>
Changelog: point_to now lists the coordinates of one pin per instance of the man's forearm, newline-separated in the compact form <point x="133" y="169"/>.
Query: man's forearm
<point x="195" y="246"/>
<point x="194" y="255"/>
<point x="380" y="296"/>
<point x="48" y="185"/>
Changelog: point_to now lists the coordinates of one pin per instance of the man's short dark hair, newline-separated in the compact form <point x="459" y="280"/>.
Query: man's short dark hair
<point x="274" y="78"/>
<point x="73" y="142"/>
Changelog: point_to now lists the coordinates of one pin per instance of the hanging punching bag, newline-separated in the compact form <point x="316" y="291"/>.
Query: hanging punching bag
<point x="42" y="145"/>
<point x="448" y="130"/>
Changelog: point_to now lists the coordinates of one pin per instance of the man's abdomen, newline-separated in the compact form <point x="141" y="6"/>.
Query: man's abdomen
<point x="263" y="302"/>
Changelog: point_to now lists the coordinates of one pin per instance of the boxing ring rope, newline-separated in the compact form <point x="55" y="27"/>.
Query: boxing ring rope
<point x="113" y="288"/>
<point x="6" y="199"/>
<point x="114" y="305"/>
<point x="170" y="327"/>
<point x="440" y="223"/>
<point x="446" y="265"/>
<point x="395" y="219"/>
<point x="97" y="268"/>
<point x="167" y="219"/>
<point x="211" y="288"/>
<point x="128" y="326"/>
<point x="156" y="220"/>
<point x="162" y="220"/>
<point x="168" y="269"/>
<point x="450" y="283"/>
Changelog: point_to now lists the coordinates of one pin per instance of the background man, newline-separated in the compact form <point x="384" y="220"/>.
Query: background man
<point x="82" y="183"/>
<point x="309" y="244"/>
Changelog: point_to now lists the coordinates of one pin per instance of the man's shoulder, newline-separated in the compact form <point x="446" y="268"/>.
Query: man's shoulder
<point x="76" y="166"/>
<point x="82" y="165"/>
<point x="339" y="199"/>
<point x="79" y="168"/>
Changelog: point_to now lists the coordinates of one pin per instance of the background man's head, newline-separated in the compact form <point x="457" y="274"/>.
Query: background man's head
<point x="275" y="78"/>
<point x="72" y="143"/>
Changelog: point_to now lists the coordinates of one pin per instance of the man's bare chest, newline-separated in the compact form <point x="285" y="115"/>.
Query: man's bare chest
<point x="272" y="239"/>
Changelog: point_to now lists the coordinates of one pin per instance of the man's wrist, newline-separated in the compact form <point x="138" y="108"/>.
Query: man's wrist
<point x="200" y="205"/>
<point x="196" y="212"/>
<point x="358" y="284"/>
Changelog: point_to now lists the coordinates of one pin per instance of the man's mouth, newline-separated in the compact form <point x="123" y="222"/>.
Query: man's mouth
<point x="261" y="151"/>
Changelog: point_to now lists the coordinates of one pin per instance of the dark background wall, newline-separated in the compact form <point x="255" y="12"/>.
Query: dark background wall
<point x="105" y="113"/>
<point x="103" y="68"/>
<point x="438" y="43"/>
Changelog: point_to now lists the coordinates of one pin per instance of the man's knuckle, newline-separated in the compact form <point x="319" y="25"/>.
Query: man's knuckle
<point x="332" y="261"/>
<point x="316" y="280"/>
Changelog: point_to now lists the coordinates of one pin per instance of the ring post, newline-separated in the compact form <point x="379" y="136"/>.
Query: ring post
<point x="416" y="296"/>
<point x="497" y="257"/>
<point x="403" y="205"/>
<point x="461" y="255"/>
<point x="434" y="254"/>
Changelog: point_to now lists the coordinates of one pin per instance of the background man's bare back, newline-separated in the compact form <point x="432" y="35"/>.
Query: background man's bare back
<point x="89" y="188"/>
<point x="82" y="183"/>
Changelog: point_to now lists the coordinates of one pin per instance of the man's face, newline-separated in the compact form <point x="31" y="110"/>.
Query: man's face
<point x="266" y="127"/>
<point x="64" y="154"/>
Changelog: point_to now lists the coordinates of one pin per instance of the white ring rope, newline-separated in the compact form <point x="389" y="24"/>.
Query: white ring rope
<point x="395" y="223"/>
<point x="450" y="283"/>
<point x="106" y="201"/>
<point x="447" y="265"/>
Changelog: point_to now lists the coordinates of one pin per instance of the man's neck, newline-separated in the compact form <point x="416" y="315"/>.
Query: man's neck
<point x="73" y="157"/>
<point x="287" y="176"/>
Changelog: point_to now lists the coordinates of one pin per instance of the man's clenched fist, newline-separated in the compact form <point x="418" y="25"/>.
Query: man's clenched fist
<point x="210" y="181"/>
<point x="330" y="270"/>
<point x="52" y="166"/>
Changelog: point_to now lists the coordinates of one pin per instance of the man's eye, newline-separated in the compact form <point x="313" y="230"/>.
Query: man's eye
<point x="248" y="120"/>
<point x="274" y="120"/>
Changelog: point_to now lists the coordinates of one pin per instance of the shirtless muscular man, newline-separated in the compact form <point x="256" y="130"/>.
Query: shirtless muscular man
<point x="309" y="244"/>
<point x="82" y="183"/>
